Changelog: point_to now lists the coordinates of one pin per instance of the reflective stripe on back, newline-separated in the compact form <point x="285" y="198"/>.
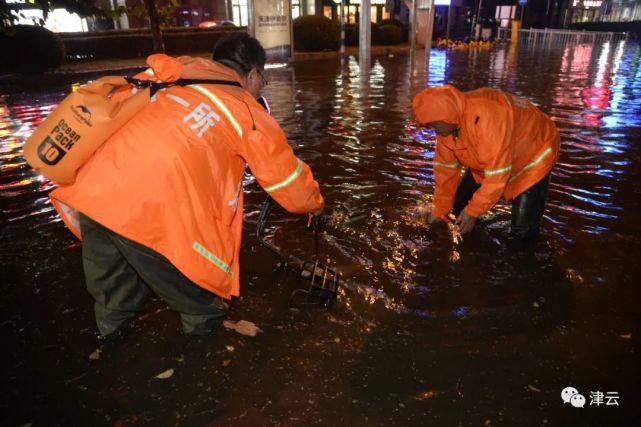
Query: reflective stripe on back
<point x="533" y="163"/>
<point x="220" y="105"/>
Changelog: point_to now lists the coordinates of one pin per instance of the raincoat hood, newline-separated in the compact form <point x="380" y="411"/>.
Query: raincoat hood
<point x="442" y="103"/>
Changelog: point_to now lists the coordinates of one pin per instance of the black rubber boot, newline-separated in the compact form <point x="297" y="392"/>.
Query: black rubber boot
<point x="527" y="210"/>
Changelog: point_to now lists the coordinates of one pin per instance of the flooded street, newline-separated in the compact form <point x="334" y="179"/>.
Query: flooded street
<point x="428" y="329"/>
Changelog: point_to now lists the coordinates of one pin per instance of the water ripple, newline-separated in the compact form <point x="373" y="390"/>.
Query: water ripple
<point x="374" y="164"/>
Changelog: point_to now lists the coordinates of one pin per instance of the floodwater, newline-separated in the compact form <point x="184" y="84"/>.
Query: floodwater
<point x="427" y="330"/>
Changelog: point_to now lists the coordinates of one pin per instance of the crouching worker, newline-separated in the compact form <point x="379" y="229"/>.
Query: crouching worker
<point x="507" y="146"/>
<point x="161" y="204"/>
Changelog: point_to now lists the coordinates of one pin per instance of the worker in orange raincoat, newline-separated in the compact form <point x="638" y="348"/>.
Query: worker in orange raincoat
<point x="507" y="146"/>
<point x="161" y="203"/>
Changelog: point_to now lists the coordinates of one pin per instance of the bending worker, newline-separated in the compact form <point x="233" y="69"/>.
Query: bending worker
<point x="161" y="204"/>
<point x="507" y="146"/>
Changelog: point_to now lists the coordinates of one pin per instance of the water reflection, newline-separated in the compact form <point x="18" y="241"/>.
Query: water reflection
<point x="374" y="163"/>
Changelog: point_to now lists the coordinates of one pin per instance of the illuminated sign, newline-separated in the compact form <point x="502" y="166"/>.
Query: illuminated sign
<point x="587" y="3"/>
<point x="272" y="27"/>
<point x="505" y="12"/>
<point x="357" y="2"/>
<point x="441" y="2"/>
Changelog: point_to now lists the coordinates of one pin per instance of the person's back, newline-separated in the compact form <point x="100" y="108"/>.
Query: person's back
<point x="531" y="128"/>
<point x="170" y="181"/>
<point x="507" y="145"/>
<point x="492" y="118"/>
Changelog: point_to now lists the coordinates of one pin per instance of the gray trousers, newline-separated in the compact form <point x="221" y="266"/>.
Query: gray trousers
<point x="120" y="273"/>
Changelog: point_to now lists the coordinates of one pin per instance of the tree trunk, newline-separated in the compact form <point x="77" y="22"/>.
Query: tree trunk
<point x="154" y="23"/>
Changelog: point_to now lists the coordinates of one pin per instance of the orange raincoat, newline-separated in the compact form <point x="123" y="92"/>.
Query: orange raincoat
<point x="171" y="178"/>
<point x="507" y="143"/>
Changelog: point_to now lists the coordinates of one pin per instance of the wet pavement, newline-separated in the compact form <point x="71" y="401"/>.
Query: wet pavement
<point x="428" y="330"/>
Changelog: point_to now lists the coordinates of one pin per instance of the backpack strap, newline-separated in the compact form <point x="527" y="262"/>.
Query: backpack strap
<point x="186" y="82"/>
<point x="156" y="86"/>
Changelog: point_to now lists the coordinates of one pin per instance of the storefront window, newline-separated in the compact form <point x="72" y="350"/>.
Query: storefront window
<point x="351" y="14"/>
<point x="296" y="9"/>
<point x="378" y="12"/>
<point x="239" y="12"/>
<point x="605" y="11"/>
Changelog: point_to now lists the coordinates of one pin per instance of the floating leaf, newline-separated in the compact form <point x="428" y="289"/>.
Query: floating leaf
<point x="164" y="375"/>
<point x="574" y="276"/>
<point x="243" y="327"/>
<point x="424" y="395"/>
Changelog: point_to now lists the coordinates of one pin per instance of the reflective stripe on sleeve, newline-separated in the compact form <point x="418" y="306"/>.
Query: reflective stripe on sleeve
<point x="201" y="250"/>
<point x="492" y="172"/>
<point x="533" y="163"/>
<point x="447" y="165"/>
<point x="289" y="179"/>
<point x="221" y="107"/>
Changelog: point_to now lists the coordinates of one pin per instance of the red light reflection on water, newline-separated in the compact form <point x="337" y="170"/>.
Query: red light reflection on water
<point x="17" y="123"/>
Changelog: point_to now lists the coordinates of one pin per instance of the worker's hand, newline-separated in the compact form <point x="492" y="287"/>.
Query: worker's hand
<point x="313" y="217"/>
<point x="425" y="212"/>
<point x="318" y="212"/>
<point x="465" y="222"/>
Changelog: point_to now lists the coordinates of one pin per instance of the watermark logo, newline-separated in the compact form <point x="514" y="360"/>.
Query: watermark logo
<point x="567" y="394"/>
<point x="578" y="401"/>
<point x="597" y="398"/>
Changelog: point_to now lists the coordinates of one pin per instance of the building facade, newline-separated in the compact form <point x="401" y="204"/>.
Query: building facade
<point x="605" y="10"/>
